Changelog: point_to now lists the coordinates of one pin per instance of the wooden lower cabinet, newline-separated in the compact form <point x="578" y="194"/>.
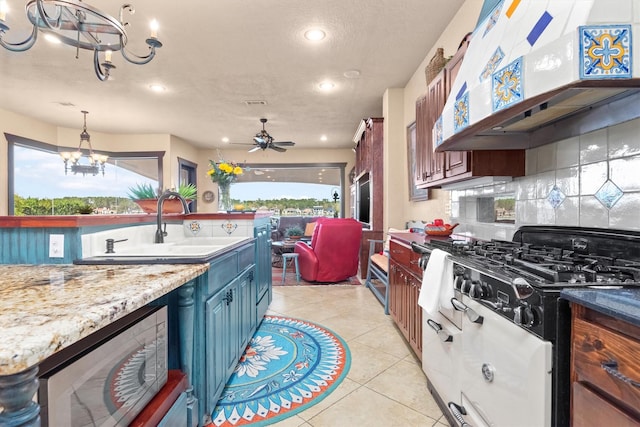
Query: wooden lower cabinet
<point x="405" y="279"/>
<point x="605" y="370"/>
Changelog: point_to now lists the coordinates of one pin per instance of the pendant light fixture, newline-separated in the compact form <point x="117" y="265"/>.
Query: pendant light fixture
<point x="96" y="161"/>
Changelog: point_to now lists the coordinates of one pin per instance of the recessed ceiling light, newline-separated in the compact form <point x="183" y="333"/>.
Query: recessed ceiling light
<point x="323" y="138"/>
<point x="225" y="139"/>
<point x="52" y="39"/>
<point x="326" y="86"/>
<point x="351" y="74"/>
<point x="157" y="88"/>
<point x="314" y="35"/>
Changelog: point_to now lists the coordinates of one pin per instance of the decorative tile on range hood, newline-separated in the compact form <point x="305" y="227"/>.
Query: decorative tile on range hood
<point x="536" y="72"/>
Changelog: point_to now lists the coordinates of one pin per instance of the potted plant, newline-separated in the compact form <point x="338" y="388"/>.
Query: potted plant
<point x="294" y="232"/>
<point x="188" y="191"/>
<point x="146" y="197"/>
<point x="85" y="209"/>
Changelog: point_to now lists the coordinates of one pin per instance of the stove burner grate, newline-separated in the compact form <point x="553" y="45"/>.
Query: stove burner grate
<point x="550" y="265"/>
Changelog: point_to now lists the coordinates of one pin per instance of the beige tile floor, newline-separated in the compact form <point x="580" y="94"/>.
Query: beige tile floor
<point x="385" y="385"/>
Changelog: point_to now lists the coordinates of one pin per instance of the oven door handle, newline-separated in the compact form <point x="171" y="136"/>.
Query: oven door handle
<point x="442" y="334"/>
<point x="458" y="411"/>
<point x="468" y="311"/>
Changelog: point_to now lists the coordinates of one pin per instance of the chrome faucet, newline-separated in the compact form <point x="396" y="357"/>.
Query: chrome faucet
<point x="159" y="233"/>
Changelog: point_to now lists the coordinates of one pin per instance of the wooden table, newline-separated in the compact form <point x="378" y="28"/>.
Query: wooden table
<point x="281" y="247"/>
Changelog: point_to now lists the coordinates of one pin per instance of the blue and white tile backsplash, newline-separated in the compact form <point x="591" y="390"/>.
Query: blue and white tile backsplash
<point x="590" y="181"/>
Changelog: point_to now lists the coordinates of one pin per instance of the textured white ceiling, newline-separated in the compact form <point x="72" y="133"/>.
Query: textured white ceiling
<point x="218" y="54"/>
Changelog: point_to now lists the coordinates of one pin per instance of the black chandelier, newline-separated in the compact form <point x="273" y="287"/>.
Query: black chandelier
<point x="80" y="25"/>
<point x="96" y="161"/>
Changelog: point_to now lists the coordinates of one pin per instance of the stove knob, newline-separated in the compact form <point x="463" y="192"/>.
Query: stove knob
<point x="478" y="290"/>
<point x="467" y="285"/>
<point x="526" y="316"/>
<point x="459" y="277"/>
<point x="457" y="282"/>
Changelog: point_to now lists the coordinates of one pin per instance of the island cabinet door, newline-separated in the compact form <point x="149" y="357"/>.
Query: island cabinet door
<point x="247" y="290"/>
<point x="220" y="340"/>
<point x="263" y="260"/>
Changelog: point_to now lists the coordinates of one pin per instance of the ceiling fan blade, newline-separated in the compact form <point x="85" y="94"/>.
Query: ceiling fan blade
<point x="256" y="148"/>
<point x="285" y="143"/>
<point x="278" y="149"/>
<point x="242" y="143"/>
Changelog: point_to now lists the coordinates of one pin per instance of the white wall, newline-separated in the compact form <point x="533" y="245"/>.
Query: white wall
<point x="399" y="209"/>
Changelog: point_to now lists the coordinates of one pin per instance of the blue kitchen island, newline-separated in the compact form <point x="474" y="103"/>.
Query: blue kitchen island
<point x="214" y="303"/>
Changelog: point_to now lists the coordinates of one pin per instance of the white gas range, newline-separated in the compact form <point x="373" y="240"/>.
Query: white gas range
<point x="498" y="354"/>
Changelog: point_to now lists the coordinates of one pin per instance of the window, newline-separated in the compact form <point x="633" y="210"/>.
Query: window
<point x="289" y="181"/>
<point x="38" y="184"/>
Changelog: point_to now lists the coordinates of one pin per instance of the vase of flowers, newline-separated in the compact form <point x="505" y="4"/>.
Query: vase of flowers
<point x="224" y="174"/>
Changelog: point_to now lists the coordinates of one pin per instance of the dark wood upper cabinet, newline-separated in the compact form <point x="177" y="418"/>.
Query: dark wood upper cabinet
<point x="436" y="169"/>
<point x="368" y="184"/>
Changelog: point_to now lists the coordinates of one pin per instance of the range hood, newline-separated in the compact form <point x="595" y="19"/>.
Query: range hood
<point x="538" y="72"/>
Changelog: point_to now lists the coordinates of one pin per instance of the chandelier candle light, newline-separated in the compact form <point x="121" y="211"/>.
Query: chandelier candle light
<point x="224" y="174"/>
<point x="96" y="161"/>
<point x="80" y="25"/>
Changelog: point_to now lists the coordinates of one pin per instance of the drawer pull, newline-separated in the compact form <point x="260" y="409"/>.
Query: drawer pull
<point x="442" y="334"/>
<point x="611" y="367"/>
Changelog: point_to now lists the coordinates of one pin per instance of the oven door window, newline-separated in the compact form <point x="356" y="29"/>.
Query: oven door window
<point x="506" y="371"/>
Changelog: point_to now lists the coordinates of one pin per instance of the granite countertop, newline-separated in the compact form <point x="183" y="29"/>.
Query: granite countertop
<point x="44" y="308"/>
<point x="622" y="304"/>
<point x="422" y="238"/>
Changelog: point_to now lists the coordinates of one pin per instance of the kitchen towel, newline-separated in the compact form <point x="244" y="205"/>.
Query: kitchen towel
<point x="437" y="283"/>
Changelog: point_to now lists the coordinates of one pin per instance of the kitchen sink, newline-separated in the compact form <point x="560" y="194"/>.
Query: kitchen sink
<point x="168" y="249"/>
<point x="186" y="251"/>
<point x="209" y="241"/>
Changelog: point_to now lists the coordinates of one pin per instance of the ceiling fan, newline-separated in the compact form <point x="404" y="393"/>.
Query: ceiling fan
<point x="263" y="140"/>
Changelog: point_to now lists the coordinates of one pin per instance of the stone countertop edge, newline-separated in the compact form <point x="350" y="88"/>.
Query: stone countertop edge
<point x="622" y="303"/>
<point x="422" y="238"/>
<point x="44" y="308"/>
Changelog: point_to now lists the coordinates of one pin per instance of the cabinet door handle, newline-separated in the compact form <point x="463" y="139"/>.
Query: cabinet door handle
<point x="228" y="297"/>
<point x="611" y="367"/>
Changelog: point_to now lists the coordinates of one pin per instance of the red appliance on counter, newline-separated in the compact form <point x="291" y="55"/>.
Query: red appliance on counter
<point x="503" y="358"/>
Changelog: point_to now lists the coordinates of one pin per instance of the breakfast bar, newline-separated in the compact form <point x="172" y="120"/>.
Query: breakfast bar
<point x="46" y="308"/>
<point x="61" y="301"/>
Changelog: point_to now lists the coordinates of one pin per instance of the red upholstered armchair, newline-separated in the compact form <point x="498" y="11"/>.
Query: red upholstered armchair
<point x="332" y="256"/>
